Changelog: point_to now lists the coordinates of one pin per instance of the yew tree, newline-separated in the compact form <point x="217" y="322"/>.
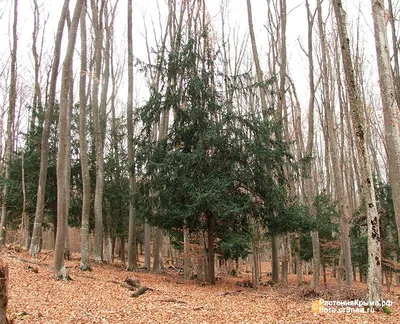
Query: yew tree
<point x="215" y="169"/>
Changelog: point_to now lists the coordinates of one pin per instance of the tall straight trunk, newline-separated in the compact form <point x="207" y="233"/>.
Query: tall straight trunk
<point x="309" y="151"/>
<point x="396" y="66"/>
<point x="97" y="127"/>
<point x="64" y="145"/>
<point x="260" y="79"/>
<point x="389" y="103"/>
<point x="44" y="151"/>
<point x="10" y="123"/>
<point x="132" y="249"/>
<point x="103" y="126"/>
<point x="340" y="189"/>
<point x="83" y="147"/>
<point x="374" y="237"/>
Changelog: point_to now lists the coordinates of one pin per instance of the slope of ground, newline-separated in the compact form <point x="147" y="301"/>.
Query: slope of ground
<point x="98" y="297"/>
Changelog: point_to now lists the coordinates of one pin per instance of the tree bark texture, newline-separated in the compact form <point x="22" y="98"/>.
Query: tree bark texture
<point x="374" y="237"/>
<point x="63" y="160"/>
<point x="10" y="122"/>
<point x="44" y="152"/>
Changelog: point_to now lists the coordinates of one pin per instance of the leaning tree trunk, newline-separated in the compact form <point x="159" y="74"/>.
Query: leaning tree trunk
<point x="390" y="104"/>
<point x="63" y="148"/>
<point x="374" y="237"/>
<point x="44" y="152"/>
<point x="10" y="122"/>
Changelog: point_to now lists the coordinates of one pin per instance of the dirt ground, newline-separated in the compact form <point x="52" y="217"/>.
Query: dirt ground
<point x="98" y="297"/>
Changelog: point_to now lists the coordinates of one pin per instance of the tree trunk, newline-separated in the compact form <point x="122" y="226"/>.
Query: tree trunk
<point x="132" y="249"/>
<point x="147" y="245"/>
<point x="44" y="152"/>
<point x="98" y="131"/>
<point x="340" y="189"/>
<point x="83" y="148"/>
<point x="285" y="259"/>
<point x="107" y="243"/>
<point x="389" y="103"/>
<point x="64" y="145"/>
<point x="275" y="258"/>
<point x="374" y="238"/>
<point x="3" y="291"/>
<point x="10" y="123"/>
<point x="309" y="152"/>
<point x="299" y="267"/>
<point x="25" y="228"/>
<point x="157" y="250"/>
<point x="122" y="256"/>
<point x="186" y="256"/>
<point x="210" y="247"/>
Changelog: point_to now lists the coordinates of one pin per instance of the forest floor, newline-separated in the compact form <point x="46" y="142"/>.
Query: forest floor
<point x="98" y="297"/>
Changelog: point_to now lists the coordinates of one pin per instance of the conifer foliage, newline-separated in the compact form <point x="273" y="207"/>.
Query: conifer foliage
<point x="215" y="168"/>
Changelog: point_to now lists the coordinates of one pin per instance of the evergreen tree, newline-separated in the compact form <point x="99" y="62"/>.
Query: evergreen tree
<point x="215" y="168"/>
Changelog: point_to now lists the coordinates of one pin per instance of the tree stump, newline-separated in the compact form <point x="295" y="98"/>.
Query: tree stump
<point x="3" y="292"/>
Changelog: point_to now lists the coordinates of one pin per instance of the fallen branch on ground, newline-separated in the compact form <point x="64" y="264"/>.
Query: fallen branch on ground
<point x="140" y="291"/>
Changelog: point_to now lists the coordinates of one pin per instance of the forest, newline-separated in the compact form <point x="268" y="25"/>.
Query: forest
<point x="199" y="156"/>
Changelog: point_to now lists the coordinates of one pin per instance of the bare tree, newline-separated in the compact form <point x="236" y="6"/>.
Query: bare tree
<point x="44" y="152"/>
<point x="309" y="149"/>
<point x="10" y="122"/>
<point x="85" y="263"/>
<point x="63" y="160"/>
<point x="98" y="122"/>
<point x="374" y="238"/>
<point x="389" y="103"/>
<point x="132" y="257"/>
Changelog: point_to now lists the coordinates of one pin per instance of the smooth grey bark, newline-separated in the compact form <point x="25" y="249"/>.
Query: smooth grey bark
<point x="44" y="152"/>
<point x="132" y="249"/>
<point x="98" y="121"/>
<point x="108" y="25"/>
<point x="392" y="135"/>
<point x="374" y="237"/>
<point x="396" y="66"/>
<point x="310" y="151"/>
<point x="63" y="160"/>
<point x="389" y="103"/>
<point x="10" y="121"/>
<point x="83" y="148"/>
<point x="340" y="189"/>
